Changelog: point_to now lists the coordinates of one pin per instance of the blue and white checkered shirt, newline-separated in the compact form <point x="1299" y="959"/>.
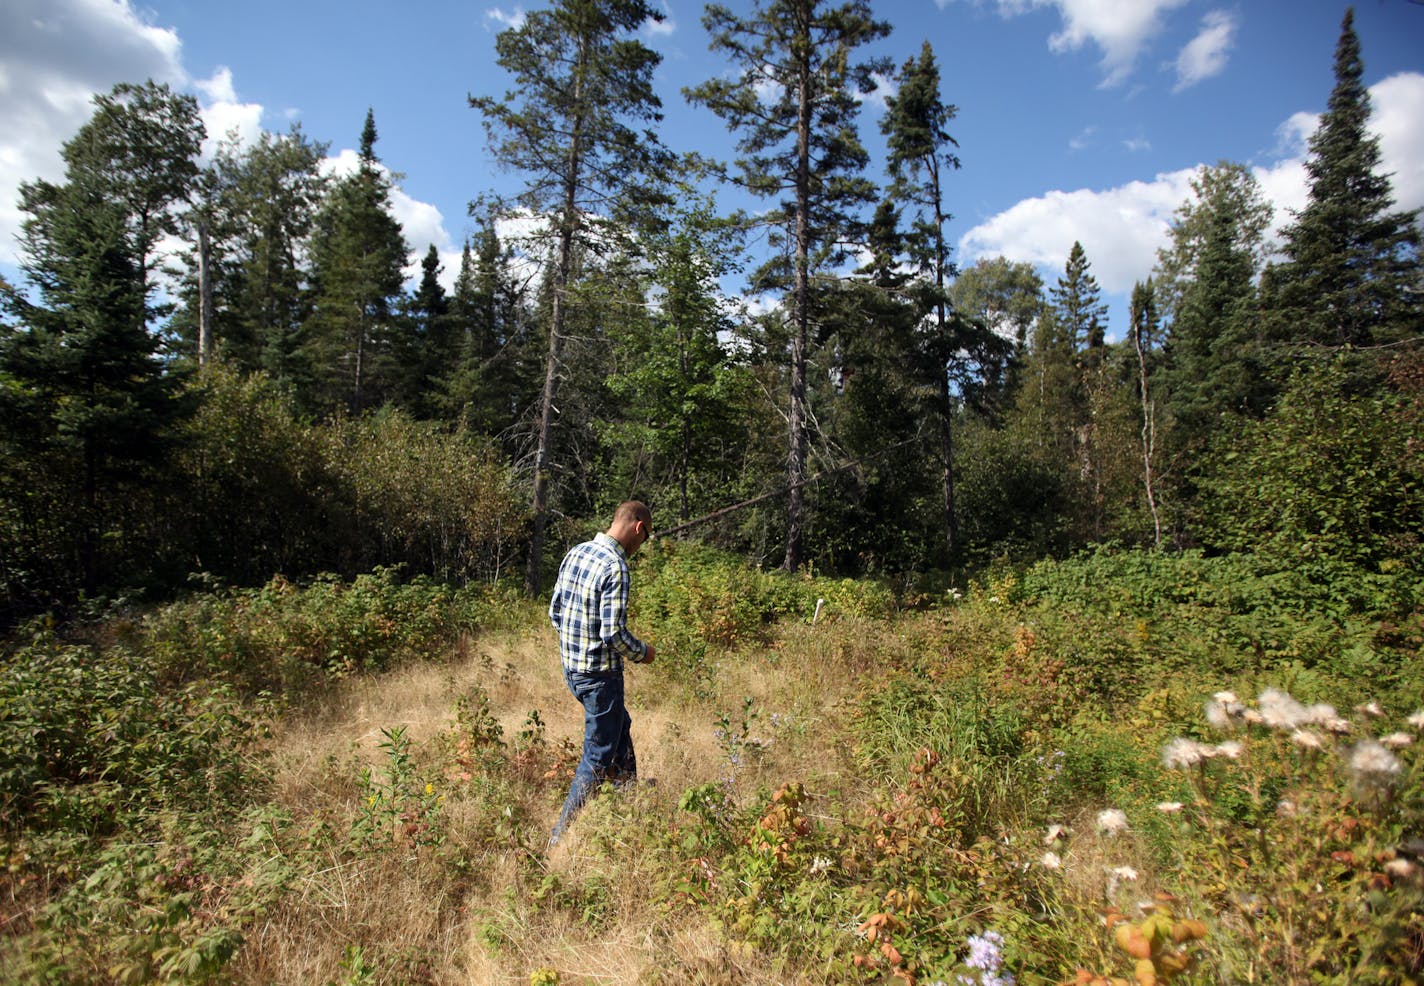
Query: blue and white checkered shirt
<point x="589" y="608"/>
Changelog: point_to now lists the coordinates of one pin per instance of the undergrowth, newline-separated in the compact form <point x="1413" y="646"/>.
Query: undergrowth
<point x="1122" y="767"/>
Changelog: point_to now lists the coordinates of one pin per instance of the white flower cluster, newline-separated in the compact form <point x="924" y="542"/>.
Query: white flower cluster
<point x="1371" y="763"/>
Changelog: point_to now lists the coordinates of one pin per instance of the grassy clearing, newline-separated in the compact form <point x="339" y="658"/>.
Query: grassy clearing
<point x="1044" y="780"/>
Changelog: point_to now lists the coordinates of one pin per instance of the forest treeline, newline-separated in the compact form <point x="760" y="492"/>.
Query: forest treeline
<point x="217" y="365"/>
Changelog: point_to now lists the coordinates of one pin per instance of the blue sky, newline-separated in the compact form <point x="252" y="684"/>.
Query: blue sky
<point x="1078" y="119"/>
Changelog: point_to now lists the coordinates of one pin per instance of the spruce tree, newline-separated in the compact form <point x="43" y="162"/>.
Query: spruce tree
<point x="1351" y="273"/>
<point x="260" y="204"/>
<point x="573" y="125"/>
<point x="85" y="402"/>
<point x="793" y="103"/>
<point x="359" y="259"/>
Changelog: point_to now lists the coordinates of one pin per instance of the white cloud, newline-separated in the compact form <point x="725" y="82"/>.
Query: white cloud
<point x="1137" y="144"/>
<point x="1083" y="139"/>
<point x="885" y="87"/>
<point x="1121" y="228"/>
<point x="1400" y="125"/>
<point x="502" y="18"/>
<point x="663" y="28"/>
<point x="54" y="56"/>
<point x="223" y="114"/>
<point x="1120" y="29"/>
<point x="1205" y="55"/>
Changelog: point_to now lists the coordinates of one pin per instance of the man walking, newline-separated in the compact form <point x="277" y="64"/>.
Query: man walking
<point x="589" y="609"/>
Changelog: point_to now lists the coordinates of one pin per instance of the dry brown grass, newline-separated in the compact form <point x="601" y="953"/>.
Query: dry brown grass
<point x="417" y="919"/>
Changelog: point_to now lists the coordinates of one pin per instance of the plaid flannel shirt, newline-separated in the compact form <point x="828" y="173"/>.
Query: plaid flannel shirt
<point x="589" y="608"/>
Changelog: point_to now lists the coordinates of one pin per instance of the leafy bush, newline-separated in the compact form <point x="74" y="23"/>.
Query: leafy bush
<point x="698" y="596"/>
<point x="1330" y="477"/>
<point x="86" y="736"/>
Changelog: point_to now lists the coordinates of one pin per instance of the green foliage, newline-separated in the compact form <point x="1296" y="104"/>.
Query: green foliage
<point x="283" y="638"/>
<point x="693" y="597"/>
<point x="1332" y="481"/>
<point x="88" y="737"/>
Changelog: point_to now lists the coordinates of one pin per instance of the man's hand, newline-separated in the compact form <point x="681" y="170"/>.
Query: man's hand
<point x="648" y="655"/>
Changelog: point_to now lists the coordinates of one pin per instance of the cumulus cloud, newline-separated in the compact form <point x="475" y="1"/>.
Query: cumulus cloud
<point x="54" y="56"/>
<point x="224" y="116"/>
<point x="1120" y="229"/>
<point x="1397" y="120"/>
<point x="1120" y="29"/>
<point x="1206" y="54"/>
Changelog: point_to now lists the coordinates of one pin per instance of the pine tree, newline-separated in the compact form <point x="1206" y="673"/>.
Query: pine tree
<point x="583" y="88"/>
<point x="426" y="348"/>
<point x="794" y="105"/>
<point x="85" y="397"/>
<point x="1351" y="273"/>
<point x="920" y="151"/>
<point x="359" y="260"/>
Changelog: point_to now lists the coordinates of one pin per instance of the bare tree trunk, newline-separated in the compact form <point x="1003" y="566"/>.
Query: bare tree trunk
<point x="205" y="295"/>
<point x="1149" y="437"/>
<point x="796" y="455"/>
<point x="533" y="572"/>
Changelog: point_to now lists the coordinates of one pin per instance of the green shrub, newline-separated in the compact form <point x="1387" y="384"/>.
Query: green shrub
<point x="87" y="735"/>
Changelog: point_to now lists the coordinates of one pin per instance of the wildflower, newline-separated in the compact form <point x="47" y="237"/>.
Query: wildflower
<point x="1370" y="709"/>
<point x="1124" y="873"/>
<point x="429" y="788"/>
<point x="1231" y="750"/>
<point x="1051" y="861"/>
<point x="1339" y="727"/>
<point x="1402" y="868"/>
<point x="1417" y="720"/>
<point x="1112" y="821"/>
<point x="1321" y="713"/>
<point x="1396" y="741"/>
<point x="986" y="955"/>
<point x="1219" y="716"/>
<point x="1307" y="740"/>
<point x="1169" y="807"/>
<point x="1227" y="698"/>
<point x="820" y="864"/>
<point x="1182" y="753"/>
<point x="1054" y="831"/>
<point x="1286" y="808"/>
<point x="1372" y="765"/>
<point x="1279" y="710"/>
<point x="1253" y="717"/>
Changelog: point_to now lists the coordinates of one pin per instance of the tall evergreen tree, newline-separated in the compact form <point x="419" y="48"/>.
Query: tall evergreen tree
<point x="359" y="259"/>
<point x="260" y="204"/>
<point x="1226" y="188"/>
<point x="83" y="390"/>
<point x="426" y="348"/>
<point x="793" y="103"/>
<point x="571" y="123"/>
<point x="1350" y="277"/>
<point x="675" y="389"/>
<point x="492" y="379"/>
<point x="959" y="351"/>
<point x="1213" y="356"/>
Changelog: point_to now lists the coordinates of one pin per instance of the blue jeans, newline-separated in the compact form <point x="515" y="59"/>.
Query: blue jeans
<point x="607" y="739"/>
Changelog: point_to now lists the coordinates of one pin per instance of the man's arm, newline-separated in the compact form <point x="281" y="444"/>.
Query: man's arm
<point x="613" y="613"/>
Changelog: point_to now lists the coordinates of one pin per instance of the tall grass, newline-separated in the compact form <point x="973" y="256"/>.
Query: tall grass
<point x="953" y="795"/>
